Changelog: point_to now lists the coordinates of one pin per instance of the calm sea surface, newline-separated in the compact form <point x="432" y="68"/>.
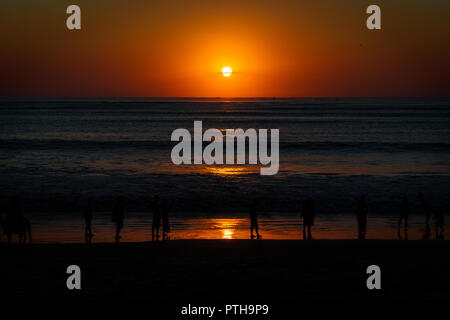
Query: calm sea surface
<point x="54" y="154"/>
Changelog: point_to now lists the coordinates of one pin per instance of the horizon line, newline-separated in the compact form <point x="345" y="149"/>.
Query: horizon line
<point x="223" y="97"/>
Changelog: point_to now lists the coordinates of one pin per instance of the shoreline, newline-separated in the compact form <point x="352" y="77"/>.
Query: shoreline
<point x="193" y="241"/>
<point x="138" y="228"/>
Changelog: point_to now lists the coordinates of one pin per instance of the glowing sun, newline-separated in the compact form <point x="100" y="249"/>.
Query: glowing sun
<point x="226" y="71"/>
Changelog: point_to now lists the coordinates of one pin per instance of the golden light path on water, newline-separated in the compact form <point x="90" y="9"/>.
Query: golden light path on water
<point x="228" y="227"/>
<point x="226" y="171"/>
<point x="138" y="228"/>
<point x="227" y="234"/>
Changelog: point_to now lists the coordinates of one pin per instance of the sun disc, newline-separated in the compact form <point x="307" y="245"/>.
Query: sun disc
<point x="226" y="71"/>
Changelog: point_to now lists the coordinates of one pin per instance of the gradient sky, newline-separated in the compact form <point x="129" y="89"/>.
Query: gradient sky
<point x="141" y="48"/>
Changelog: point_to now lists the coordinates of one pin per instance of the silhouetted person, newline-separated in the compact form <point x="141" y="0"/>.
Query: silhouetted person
<point x="361" y="216"/>
<point x="156" y="218"/>
<point x="253" y="210"/>
<point x="404" y="213"/>
<point x="439" y="219"/>
<point x="427" y="210"/>
<point x="117" y="216"/>
<point x="15" y="222"/>
<point x="308" y="215"/>
<point x="87" y="215"/>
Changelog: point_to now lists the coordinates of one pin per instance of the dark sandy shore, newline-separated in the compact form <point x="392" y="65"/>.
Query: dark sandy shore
<point x="211" y="271"/>
<point x="325" y="277"/>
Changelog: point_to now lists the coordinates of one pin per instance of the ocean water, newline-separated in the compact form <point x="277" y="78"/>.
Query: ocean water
<point x="54" y="154"/>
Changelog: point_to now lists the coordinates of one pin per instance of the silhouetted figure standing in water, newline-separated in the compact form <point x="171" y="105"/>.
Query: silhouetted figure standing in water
<point x="117" y="217"/>
<point x="308" y="214"/>
<point x="404" y="213"/>
<point x="165" y="219"/>
<point x="439" y="219"/>
<point x="156" y="218"/>
<point x="15" y="222"/>
<point x="361" y="216"/>
<point x="253" y="210"/>
<point x="427" y="210"/>
<point x="87" y="215"/>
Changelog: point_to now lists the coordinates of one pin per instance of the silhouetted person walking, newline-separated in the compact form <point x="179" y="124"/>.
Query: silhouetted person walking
<point x="165" y="219"/>
<point x="361" y="216"/>
<point x="404" y="213"/>
<point x="427" y="210"/>
<point x="253" y="210"/>
<point x="308" y="215"/>
<point x="156" y="218"/>
<point x="117" y="217"/>
<point x="87" y="215"/>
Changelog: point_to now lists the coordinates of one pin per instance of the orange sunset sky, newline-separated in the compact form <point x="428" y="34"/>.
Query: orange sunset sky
<point x="138" y="48"/>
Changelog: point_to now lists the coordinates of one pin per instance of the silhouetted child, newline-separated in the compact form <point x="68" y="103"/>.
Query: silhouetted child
<point x="404" y="213"/>
<point x="118" y="216"/>
<point x="87" y="215"/>
<point x="361" y="216"/>
<point x="156" y="218"/>
<point x="165" y="219"/>
<point x="427" y="210"/>
<point x="308" y="215"/>
<point x="253" y="210"/>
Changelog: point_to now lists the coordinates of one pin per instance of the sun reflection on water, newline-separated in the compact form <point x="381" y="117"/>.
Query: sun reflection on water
<point x="231" y="170"/>
<point x="227" y="234"/>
